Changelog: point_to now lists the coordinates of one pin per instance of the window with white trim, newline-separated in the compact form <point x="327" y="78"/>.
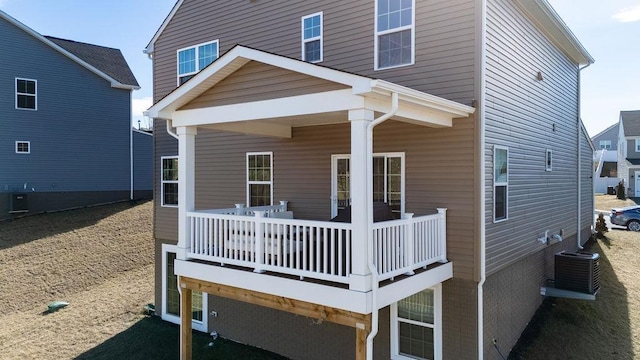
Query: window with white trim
<point x="394" y="41"/>
<point x="260" y="179"/>
<point x="416" y="330"/>
<point x="548" y="160"/>
<point x="312" y="37"/>
<point x="500" y="182"/>
<point x="637" y="145"/>
<point x="171" y="296"/>
<point x="23" y="147"/>
<point x="195" y="58"/>
<point x="169" y="176"/>
<point x="26" y="94"/>
<point x="605" y="144"/>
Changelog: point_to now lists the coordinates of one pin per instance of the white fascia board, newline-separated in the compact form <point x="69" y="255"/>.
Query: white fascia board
<point x="149" y="48"/>
<point x="331" y="296"/>
<point x="418" y="97"/>
<point x="548" y="20"/>
<point x="330" y="101"/>
<point x="28" y="30"/>
<point x="412" y="113"/>
<point x="401" y="289"/>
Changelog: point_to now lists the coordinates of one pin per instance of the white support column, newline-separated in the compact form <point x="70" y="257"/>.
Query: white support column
<point x="186" y="186"/>
<point x="361" y="199"/>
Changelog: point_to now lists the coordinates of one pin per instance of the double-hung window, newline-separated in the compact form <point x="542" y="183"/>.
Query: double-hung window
<point x="195" y="58"/>
<point x="26" y="94"/>
<point x="312" y="37"/>
<point x="416" y="326"/>
<point x="605" y="144"/>
<point x="169" y="181"/>
<point x="23" y="147"/>
<point x="500" y="182"/>
<point x="394" y="40"/>
<point x="259" y="179"/>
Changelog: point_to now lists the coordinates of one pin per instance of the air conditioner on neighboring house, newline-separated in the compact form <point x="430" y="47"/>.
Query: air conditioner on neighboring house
<point x="578" y="271"/>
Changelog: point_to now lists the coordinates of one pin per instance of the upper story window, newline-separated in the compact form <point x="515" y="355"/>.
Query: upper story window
<point x="23" y="147"/>
<point x="637" y="145"/>
<point x="500" y="182"/>
<point x="26" y="94"/>
<point x="394" y="40"/>
<point x="195" y="58"/>
<point x="259" y="179"/>
<point x="605" y="144"/>
<point x="169" y="181"/>
<point x="312" y="37"/>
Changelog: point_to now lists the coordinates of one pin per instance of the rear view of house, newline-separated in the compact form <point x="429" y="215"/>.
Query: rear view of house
<point x="629" y="151"/>
<point x="376" y="175"/>
<point x="67" y="139"/>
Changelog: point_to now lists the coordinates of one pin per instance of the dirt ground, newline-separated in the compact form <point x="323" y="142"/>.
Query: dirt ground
<point x="98" y="259"/>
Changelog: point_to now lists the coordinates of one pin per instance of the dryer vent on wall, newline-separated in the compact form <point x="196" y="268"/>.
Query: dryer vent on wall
<point x="578" y="271"/>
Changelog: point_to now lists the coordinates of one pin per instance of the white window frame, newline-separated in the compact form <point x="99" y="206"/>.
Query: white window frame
<point x="162" y="181"/>
<point x="196" y="47"/>
<point x="637" y="145"/>
<point x="389" y="31"/>
<point x="436" y="326"/>
<point x="334" y="178"/>
<point x="35" y="95"/>
<point x="252" y="182"/>
<point x="195" y="324"/>
<point x="28" y="147"/>
<point x="548" y="160"/>
<point x="315" y="38"/>
<point x="605" y="144"/>
<point x="496" y="184"/>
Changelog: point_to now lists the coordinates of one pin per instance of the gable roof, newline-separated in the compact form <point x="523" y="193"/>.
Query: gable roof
<point x="604" y="131"/>
<point x="107" y="63"/>
<point x="630" y="122"/>
<point x="149" y="48"/>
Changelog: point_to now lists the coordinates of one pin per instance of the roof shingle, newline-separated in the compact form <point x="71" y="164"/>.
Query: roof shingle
<point x="108" y="60"/>
<point x="630" y="122"/>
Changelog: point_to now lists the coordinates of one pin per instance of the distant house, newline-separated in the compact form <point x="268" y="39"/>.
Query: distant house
<point x="66" y="138"/>
<point x="605" y="159"/>
<point x="286" y="131"/>
<point x="629" y="151"/>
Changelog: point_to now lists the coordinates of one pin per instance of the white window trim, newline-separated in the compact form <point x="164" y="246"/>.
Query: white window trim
<point x="606" y="143"/>
<point x="637" y="145"/>
<point x="506" y="200"/>
<point x="321" y="37"/>
<point x="377" y="34"/>
<point x="195" y="324"/>
<point x="34" y="95"/>
<point x="548" y="161"/>
<point x="270" y="182"/>
<point x="334" y="178"/>
<point x="437" y="328"/>
<point x="162" y="181"/>
<point x="196" y="47"/>
<point x="28" y="146"/>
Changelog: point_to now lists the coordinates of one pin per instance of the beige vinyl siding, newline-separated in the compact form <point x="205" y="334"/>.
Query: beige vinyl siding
<point x="444" y="39"/>
<point x="241" y="86"/>
<point x="528" y="116"/>
<point x="165" y="219"/>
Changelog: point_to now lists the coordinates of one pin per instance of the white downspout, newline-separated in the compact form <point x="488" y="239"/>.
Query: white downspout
<point x="481" y="175"/>
<point x="131" y="146"/>
<point x="372" y="266"/>
<point x="579" y="123"/>
<point x="170" y="129"/>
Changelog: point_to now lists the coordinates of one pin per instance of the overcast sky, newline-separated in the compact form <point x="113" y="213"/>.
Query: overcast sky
<point x="608" y="29"/>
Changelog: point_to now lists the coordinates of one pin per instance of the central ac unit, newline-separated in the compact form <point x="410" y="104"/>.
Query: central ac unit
<point x="578" y="271"/>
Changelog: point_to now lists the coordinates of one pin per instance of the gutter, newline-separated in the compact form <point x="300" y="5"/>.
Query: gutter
<point x="170" y="129"/>
<point x="372" y="266"/>
<point x="579" y="133"/>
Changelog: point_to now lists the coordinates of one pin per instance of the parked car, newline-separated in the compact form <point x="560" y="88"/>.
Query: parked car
<point x="628" y="216"/>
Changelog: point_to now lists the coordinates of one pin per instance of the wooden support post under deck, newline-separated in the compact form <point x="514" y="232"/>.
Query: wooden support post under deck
<point x="361" y="343"/>
<point x="186" y="315"/>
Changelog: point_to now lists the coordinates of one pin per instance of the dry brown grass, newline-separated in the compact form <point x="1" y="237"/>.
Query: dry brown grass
<point x="607" y="328"/>
<point x="607" y="202"/>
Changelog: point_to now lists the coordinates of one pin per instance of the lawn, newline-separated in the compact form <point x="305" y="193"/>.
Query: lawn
<point x="100" y="260"/>
<point x="607" y="328"/>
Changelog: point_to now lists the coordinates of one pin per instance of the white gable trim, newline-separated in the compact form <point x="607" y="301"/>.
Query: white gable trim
<point x="149" y="49"/>
<point x="114" y="83"/>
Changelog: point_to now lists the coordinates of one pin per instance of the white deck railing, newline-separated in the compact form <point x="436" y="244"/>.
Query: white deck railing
<point x="314" y="249"/>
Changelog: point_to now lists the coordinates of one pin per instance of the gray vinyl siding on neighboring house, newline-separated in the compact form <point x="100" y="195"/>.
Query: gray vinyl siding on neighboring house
<point x="631" y="149"/>
<point x="610" y="134"/>
<point x="444" y="39"/>
<point x="79" y="135"/>
<point x="528" y="116"/>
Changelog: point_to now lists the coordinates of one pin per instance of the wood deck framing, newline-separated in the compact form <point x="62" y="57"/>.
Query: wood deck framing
<point x="361" y="322"/>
